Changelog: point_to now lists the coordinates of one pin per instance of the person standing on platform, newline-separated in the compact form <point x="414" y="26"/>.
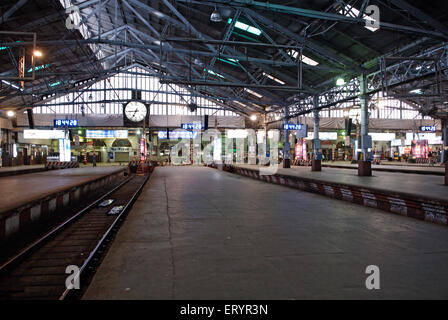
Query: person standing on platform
<point x="94" y="159"/>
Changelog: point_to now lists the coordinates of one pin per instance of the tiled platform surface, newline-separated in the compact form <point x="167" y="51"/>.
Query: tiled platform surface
<point x="200" y="233"/>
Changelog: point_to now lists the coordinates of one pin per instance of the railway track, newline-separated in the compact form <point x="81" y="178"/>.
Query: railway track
<point x="39" y="270"/>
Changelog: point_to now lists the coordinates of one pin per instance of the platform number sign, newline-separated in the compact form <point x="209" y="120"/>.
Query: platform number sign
<point x="65" y="123"/>
<point x="428" y="128"/>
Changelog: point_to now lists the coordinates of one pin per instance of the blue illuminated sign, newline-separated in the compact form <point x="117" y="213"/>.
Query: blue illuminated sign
<point x="428" y="128"/>
<point x="103" y="134"/>
<point x="178" y="135"/>
<point x="292" y="126"/>
<point x="192" y="126"/>
<point x="69" y="123"/>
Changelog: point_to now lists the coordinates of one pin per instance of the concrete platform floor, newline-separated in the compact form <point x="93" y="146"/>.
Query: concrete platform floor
<point x="200" y="233"/>
<point x="416" y="185"/>
<point x="8" y="171"/>
<point x="392" y="166"/>
<point x="18" y="190"/>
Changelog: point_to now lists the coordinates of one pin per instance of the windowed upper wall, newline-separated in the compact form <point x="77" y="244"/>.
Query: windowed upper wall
<point x="385" y="108"/>
<point x="164" y="99"/>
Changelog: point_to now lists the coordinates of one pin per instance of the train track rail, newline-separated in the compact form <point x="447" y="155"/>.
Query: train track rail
<point x="39" y="270"/>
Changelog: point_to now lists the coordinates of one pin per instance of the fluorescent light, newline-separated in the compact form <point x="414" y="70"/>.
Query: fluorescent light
<point x="39" y="68"/>
<point x="233" y="62"/>
<point x="295" y="54"/>
<point x="416" y="91"/>
<point x="241" y="104"/>
<point x="309" y="61"/>
<point x="12" y="85"/>
<point x="350" y="11"/>
<point x="54" y="84"/>
<point x="259" y="96"/>
<point x="245" y="27"/>
<point x="273" y="78"/>
<point x="214" y="73"/>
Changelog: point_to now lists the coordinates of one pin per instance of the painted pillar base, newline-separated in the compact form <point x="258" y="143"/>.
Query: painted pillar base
<point x="286" y="163"/>
<point x="446" y="173"/>
<point x="364" y="168"/>
<point x="316" y="165"/>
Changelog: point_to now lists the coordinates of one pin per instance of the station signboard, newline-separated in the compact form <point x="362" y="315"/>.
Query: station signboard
<point x="107" y="134"/>
<point x="381" y="136"/>
<point x="323" y="136"/>
<point x="43" y="134"/>
<point x="178" y="135"/>
<point x="65" y="152"/>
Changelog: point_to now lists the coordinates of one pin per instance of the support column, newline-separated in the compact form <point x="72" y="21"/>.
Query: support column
<point x="286" y="145"/>
<point x="364" y="164"/>
<point x="316" y="162"/>
<point x="444" y="156"/>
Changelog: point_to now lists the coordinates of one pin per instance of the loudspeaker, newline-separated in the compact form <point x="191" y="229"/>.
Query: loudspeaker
<point x="206" y="122"/>
<point x="30" y="118"/>
<point x="136" y="95"/>
<point x="193" y="107"/>
<point x="348" y="127"/>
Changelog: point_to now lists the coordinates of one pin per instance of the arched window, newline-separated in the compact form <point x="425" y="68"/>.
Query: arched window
<point x="123" y="143"/>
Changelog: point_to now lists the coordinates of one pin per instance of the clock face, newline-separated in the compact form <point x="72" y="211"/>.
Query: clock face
<point x="135" y="111"/>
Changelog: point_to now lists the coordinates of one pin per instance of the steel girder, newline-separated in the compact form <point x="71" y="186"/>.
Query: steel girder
<point x="393" y="76"/>
<point x="326" y="16"/>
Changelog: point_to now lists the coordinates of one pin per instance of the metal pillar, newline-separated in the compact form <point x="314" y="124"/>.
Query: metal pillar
<point x="316" y="162"/>
<point x="364" y="165"/>
<point x="286" y="145"/>
<point x="444" y="156"/>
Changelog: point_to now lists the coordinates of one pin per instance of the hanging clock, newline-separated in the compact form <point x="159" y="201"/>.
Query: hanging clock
<point x="134" y="112"/>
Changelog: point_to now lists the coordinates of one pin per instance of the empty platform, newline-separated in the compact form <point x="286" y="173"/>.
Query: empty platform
<point x="413" y="185"/>
<point x="29" y="197"/>
<point x="11" y="171"/>
<point x="200" y="233"/>
<point x="392" y="167"/>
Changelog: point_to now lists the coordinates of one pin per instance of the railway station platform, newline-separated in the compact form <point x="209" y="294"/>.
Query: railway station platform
<point x="392" y="167"/>
<point x="200" y="233"/>
<point x="11" y="171"/>
<point x="28" y="198"/>
<point x="424" y="197"/>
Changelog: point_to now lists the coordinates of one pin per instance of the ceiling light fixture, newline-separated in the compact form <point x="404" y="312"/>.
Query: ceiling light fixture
<point x="273" y="78"/>
<point x="259" y="96"/>
<point x="38" y="53"/>
<point x="253" y="117"/>
<point x="340" y="82"/>
<point x="216" y="16"/>
<point x="10" y="113"/>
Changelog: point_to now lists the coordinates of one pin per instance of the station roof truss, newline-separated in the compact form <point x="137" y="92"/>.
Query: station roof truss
<point x="259" y="58"/>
